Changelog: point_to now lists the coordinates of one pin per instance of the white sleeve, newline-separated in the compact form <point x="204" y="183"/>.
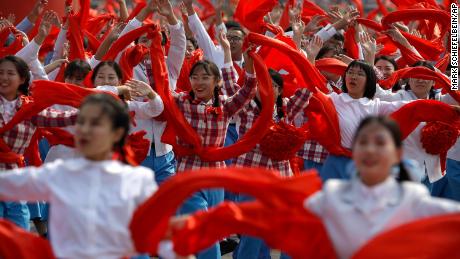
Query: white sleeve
<point x="326" y="33"/>
<point x="385" y="108"/>
<point x="28" y="184"/>
<point x="30" y="55"/>
<point x="59" y="45"/>
<point x="52" y="75"/>
<point x="132" y="25"/>
<point x="93" y="62"/>
<point x="386" y="95"/>
<point x="146" y="110"/>
<point x="427" y="206"/>
<point x="447" y="98"/>
<point x="166" y="249"/>
<point x="108" y="88"/>
<point x="176" y="52"/>
<point x="211" y="51"/>
<point x="315" y="203"/>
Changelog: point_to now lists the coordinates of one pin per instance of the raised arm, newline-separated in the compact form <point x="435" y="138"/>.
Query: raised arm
<point x="297" y="103"/>
<point x="152" y="108"/>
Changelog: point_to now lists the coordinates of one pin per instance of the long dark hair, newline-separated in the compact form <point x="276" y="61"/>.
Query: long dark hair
<point x="211" y="69"/>
<point x="371" y="78"/>
<point x="423" y="63"/>
<point x="395" y="133"/>
<point x="111" y="64"/>
<point x="77" y="67"/>
<point x="278" y="79"/>
<point x="23" y="71"/>
<point x="118" y="114"/>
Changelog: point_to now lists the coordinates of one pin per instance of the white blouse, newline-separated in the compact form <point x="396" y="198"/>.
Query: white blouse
<point x="351" y="111"/>
<point x="91" y="203"/>
<point x="413" y="148"/>
<point x="354" y="213"/>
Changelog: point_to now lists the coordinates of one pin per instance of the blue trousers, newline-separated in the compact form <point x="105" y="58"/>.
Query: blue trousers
<point x="202" y="200"/>
<point x="336" y="167"/>
<point x="308" y="164"/>
<point x="16" y="212"/>
<point x="449" y="186"/>
<point x="230" y="138"/>
<point x="163" y="166"/>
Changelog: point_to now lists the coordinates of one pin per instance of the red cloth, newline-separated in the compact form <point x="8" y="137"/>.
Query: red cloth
<point x="58" y="136"/>
<point x="262" y="184"/>
<point x="406" y="241"/>
<point x="285" y="21"/>
<point x="443" y="63"/>
<point x="250" y="13"/>
<point x="293" y="230"/>
<point x="93" y="42"/>
<point x="127" y="39"/>
<point x="13" y="47"/>
<point x="139" y="145"/>
<point x="350" y="44"/>
<point x="96" y="24"/>
<point x="136" y="10"/>
<point x="32" y="153"/>
<point x="130" y="58"/>
<point x="359" y="6"/>
<point x="290" y="59"/>
<point x="18" y="243"/>
<point x="331" y="65"/>
<point x="310" y="9"/>
<point x="183" y="82"/>
<point x="77" y="51"/>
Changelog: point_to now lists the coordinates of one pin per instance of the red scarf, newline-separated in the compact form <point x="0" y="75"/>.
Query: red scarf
<point x="250" y="13"/>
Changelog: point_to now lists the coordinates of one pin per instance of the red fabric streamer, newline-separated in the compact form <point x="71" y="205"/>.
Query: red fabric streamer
<point x="183" y="82"/>
<point x="443" y="63"/>
<point x="282" y="141"/>
<point x="58" y="136"/>
<point x="96" y="24"/>
<point x="262" y="184"/>
<point x="126" y="39"/>
<point x="32" y="154"/>
<point x="407" y="242"/>
<point x="383" y="10"/>
<point x="60" y="76"/>
<point x="18" y="243"/>
<point x="93" y="42"/>
<point x="285" y="19"/>
<point x="441" y="80"/>
<point x="310" y="9"/>
<point x="130" y="58"/>
<point x="301" y="234"/>
<point x="139" y="145"/>
<point x="137" y="10"/>
<point x="350" y="43"/>
<point x="14" y="47"/>
<point x="359" y="6"/>
<point x="250" y="13"/>
<point x="331" y="65"/>
<point x="306" y="74"/>
<point x="77" y="51"/>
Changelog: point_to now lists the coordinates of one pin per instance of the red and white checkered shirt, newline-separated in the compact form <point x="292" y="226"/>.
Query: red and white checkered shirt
<point x="311" y="150"/>
<point x="211" y="127"/>
<point x="18" y="138"/>
<point x="247" y="117"/>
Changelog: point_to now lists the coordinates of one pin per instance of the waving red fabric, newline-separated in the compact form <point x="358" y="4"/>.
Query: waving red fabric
<point x="137" y="10"/>
<point x="14" y="47"/>
<point x="310" y="9"/>
<point x="284" y="21"/>
<point x="7" y="156"/>
<point x="407" y="242"/>
<point x="96" y="24"/>
<point x="296" y="232"/>
<point x="350" y="43"/>
<point x="262" y="184"/>
<point x="443" y="63"/>
<point x="331" y="65"/>
<point x="77" y="51"/>
<point x="183" y="82"/>
<point x="127" y="39"/>
<point x="359" y="6"/>
<point x="93" y="42"/>
<point x="250" y="13"/>
<point x="18" y="243"/>
<point x="32" y="154"/>
<point x="306" y="74"/>
<point x="130" y="58"/>
<point x="139" y="145"/>
<point x="441" y="80"/>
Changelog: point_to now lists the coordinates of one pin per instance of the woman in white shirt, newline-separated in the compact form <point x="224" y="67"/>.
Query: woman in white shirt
<point x="357" y="210"/>
<point x="92" y="197"/>
<point x="417" y="89"/>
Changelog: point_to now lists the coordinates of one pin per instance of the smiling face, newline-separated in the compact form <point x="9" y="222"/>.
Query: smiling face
<point x="236" y="39"/>
<point x="106" y="75"/>
<point x="420" y="87"/>
<point x="203" y="83"/>
<point x="375" y="153"/>
<point x="10" y="80"/>
<point x="386" y="67"/>
<point x="355" y="79"/>
<point x="95" y="136"/>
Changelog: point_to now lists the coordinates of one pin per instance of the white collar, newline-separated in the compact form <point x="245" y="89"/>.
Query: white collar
<point x="385" y="193"/>
<point x="5" y="101"/>
<point x="348" y="99"/>
<point x="109" y="166"/>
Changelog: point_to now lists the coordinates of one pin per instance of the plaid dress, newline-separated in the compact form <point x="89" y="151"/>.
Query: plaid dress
<point x="18" y="138"/>
<point x="311" y="150"/>
<point x="210" y="126"/>
<point x="247" y="117"/>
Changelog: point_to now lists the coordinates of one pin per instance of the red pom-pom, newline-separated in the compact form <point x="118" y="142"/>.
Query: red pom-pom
<point x="282" y="141"/>
<point x="438" y="137"/>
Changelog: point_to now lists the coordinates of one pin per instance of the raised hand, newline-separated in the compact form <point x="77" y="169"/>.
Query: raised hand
<point x="313" y="48"/>
<point x="38" y="9"/>
<point x="140" y="89"/>
<point x="313" y="25"/>
<point x="164" y="8"/>
<point x="344" y="58"/>
<point x="45" y="26"/>
<point x="11" y="18"/>
<point x="369" y="46"/>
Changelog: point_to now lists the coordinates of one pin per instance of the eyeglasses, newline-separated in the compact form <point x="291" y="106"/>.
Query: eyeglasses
<point x="234" y="38"/>
<point x="353" y="73"/>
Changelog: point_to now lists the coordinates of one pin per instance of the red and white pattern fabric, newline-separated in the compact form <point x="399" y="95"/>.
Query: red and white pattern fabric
<point x="247" y="117"/>
<point x="311" y="150"/>
<point x="210" y="126"/>
<point x="19" y="137"/>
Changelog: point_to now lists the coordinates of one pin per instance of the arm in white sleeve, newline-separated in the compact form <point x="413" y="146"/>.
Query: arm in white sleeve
<point x="93" y="62"/>
<point x="28" y="183"/>
<point x="146" y="110"/>
<point x="326" y="33"/>
<point x="52" y="75"/>
<point x="30" y="55"/>
<point x="25" y="25"/>
<point x="176" y="52"/>
<point x="132" y="25"/>
<point x="59" y="46"/>
<point x="211" y="51"/>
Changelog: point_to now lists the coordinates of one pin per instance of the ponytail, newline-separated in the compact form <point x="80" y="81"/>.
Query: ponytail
<point x="279" y="107"/>
<point x="216" y="101"/>
<point x="403" y="173"/>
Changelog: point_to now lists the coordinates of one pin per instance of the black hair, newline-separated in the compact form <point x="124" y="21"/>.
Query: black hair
<point x="193" y="41"/>
<point x="395" y="132"/>
<point x="211" y="69"/>
<point x="232" y="25"/>
<point x="424" y="63"/>
<point x="77" y="67"/>
<point x="325" y="49"/>
<point x="111" y="64"/>
<point x="371" y="78"/>
<point x="278" y="79"/>
<point x="164" y="38"/>
<point x="23" y="71"/>
<point x="396" y="86"/>
<point x="118" y="114"/>
<point x="288" y="29"/>
<point x="338" y="37"/>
